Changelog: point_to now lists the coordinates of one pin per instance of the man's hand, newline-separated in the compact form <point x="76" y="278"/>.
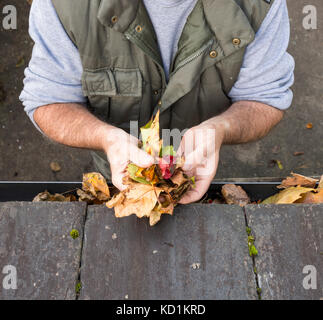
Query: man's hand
<point x="121" y="149"/>
<point x="73" y="125"/>
<point x="243" y="122"/>
<point x="201" y="147"/>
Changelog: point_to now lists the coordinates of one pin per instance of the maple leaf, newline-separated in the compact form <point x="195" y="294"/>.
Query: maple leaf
<point x="155" y="190"/>
<point x="139" y="199"/>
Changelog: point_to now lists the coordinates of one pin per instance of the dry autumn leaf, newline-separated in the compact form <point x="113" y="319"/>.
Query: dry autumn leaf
<point x="150" y="137"/>
<point x="139" y="199"/>
<point x="235" y="195"/>
<point x="298" y="180"/>
<point x="320" y="186"/>
<point x="287" y="196"/>
<point x="95" y="184"/>
<point x="155" y="190"/>
<point x="55" y="167"/>
<point x="46" y="196"/>
<point x="312" y="197"/>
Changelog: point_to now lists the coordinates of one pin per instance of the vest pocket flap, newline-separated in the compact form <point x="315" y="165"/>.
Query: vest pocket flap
<point x="98" y="83"/>
<point x="128" y="82"/>
<point x="116" y="82"/>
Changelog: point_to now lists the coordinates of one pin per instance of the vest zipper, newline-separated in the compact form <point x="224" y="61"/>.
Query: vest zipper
<point x="192" y="57"/>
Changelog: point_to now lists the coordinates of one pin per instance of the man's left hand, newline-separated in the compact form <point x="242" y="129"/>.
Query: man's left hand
<point x="201" y="147"/>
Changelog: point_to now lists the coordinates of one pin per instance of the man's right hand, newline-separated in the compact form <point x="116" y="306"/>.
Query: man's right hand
<point x="73" y="125"/>
<point x="121" y="149"/>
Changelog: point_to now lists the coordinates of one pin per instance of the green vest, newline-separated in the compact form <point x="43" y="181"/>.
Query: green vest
<point x="123" y="75"/>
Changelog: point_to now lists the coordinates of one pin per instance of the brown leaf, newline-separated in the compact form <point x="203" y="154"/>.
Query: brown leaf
<point x="95" y="184"/>
<point x="320" y="186"/>
<point x="116" y="200"/>
<point x="235" y="195"/>
<point x="311" y="197"/>
<point x="287" y="196"/>
<point x="55" y="167"/>
<point x="178" y="177"/>
<point x="46" y="196"/>
<point x="298" y="153"/>
<point x="154" y="218"/>
<point x="139" y="199"/>
<point x="85" y="196"/>
<point x="298" y="180"/>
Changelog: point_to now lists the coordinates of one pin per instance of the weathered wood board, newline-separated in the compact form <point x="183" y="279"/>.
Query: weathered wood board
<point x="289" y="238"/>
<point x="199" y="253"/>
<point x="35" y="239"/>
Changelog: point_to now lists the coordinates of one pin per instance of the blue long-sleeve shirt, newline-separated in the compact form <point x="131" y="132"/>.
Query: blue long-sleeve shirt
<point x="55" y="70"/>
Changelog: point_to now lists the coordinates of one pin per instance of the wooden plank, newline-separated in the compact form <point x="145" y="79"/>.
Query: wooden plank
<point x="35" y="239"/>
<point x="288" y="238"/>
<point x="199" y="253"/>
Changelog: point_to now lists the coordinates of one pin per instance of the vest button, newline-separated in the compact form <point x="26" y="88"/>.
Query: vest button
<point x="213" y="54"/>
<point x="156" y="92"/>
<point x="114" y="19"/>
<point x="139" y="28"/>
<point x="236" y="41"/>
<point x="159" y="102"/>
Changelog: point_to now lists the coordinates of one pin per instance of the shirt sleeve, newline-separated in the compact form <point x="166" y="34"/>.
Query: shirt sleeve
<point x="267" y="71"/>
<point x="55" y="70"/>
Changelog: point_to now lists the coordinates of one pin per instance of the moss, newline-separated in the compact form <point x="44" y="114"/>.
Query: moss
<point x="74" y="234"/>
<point x="248" y="231"/>
<point x="252" y="249"/>
<point x="78" y="287"/>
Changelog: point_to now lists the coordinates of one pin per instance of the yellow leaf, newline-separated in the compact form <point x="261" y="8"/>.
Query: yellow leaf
<point x="95" y="184"/>
<point x="150" y="137"/>
<point x="287" y="196"/>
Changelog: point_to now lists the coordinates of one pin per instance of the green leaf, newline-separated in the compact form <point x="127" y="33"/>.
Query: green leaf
<point x="193" y="181"/>
<point x="132" y="170"/>
<point x="167" y="151"/>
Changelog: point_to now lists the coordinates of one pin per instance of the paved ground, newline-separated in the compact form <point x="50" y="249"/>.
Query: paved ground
<point x="26" y="155"/>
<point x="201" y="252"/>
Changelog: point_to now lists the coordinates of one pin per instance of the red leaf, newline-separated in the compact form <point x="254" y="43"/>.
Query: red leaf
<point x="167" y="166"/>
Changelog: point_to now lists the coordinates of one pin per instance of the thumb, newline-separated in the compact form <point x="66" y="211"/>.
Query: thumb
<point x="141" y="158"/>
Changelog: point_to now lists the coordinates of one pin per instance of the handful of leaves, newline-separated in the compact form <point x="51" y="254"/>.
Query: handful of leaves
<point x="155" y="190"/>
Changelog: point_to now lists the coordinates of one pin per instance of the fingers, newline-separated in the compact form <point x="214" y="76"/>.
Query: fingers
<point x="196" y="194"/>
<point x="117" y="178"/>
<point x="141" y="158"/>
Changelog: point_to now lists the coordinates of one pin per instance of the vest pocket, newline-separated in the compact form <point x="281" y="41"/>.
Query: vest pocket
<point x="114" y="94"/>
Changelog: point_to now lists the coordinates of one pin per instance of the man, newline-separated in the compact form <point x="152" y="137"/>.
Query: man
<point x="216" y="66"/>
